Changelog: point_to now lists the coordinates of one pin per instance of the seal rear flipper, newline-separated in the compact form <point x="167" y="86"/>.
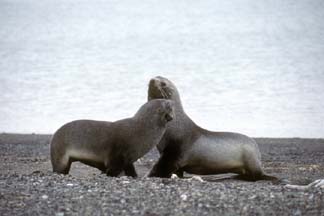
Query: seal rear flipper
<point x="273" y="179"/>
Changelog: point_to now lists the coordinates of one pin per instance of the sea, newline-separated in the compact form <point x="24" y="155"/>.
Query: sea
<point x="253" y="67"/>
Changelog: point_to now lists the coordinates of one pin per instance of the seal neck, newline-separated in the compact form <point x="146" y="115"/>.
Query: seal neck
<point x="177" y="102"/>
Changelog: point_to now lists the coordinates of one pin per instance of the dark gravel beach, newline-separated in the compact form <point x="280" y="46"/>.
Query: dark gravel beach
<point x="29" y="187"/>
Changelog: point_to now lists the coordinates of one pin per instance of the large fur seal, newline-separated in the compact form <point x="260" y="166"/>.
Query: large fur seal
<point x="112" y="147"/>
<point x="190" y="148"/>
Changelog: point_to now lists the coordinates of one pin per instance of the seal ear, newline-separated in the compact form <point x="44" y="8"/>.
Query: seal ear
<point x="168" y="117"/>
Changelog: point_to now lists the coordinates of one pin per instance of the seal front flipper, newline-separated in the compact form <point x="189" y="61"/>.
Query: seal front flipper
<point x="62" y="167"/>
<point x="113" y="171"/>
<point x="130" y="170"/>
<point x="163" y="168"/>
<point x="179" y="173"/>
<point x="168" y="162"/>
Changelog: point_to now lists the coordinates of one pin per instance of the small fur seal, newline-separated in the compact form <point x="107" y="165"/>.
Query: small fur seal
<point x="190" y="148"/>
<point x="112" y="147"/>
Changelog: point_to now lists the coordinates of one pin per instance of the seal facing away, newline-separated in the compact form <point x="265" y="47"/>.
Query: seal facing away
<point x="112" y="147"/>
<point x="190" y="148"/>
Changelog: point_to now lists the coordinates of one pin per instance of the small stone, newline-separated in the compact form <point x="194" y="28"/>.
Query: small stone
<point x="174" y="176"/>
<point x="184" y="197"/>
<point x="59" y="214"/>
<point x="252" y="197"/>
<point x="319" y="183"/>
<point x="196" y="178"/>
<point x="69" y="184"/>
<point x="44" y="197"/>
<point x="123" y="177"/>
<point x="311" y="196"/>
<point x="297" y="213"/>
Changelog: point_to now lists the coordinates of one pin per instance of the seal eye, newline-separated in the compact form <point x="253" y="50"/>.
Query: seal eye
<point x="163" y="84"/>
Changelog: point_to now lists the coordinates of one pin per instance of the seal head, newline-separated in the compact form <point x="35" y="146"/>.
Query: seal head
<point x="160" y="87"/>
<point x="157" y="108"/>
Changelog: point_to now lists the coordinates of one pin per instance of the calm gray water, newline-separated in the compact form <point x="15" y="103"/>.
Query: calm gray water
<point x="255" y="67"/>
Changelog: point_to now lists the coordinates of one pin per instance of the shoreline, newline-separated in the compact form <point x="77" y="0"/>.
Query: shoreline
<point x="9" y="137"/>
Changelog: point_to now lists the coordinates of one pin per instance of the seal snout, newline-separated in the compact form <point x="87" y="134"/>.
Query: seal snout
<point x="156" y="89"/>
<point x="154" y="82"/>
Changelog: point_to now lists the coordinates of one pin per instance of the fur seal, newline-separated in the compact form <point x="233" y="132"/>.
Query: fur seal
<point x="112" y="147"/>
<point x="187" y="147"/>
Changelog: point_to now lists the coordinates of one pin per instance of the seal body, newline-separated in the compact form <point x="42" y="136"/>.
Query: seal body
<point x="187" y="147"/>
<point x="112" y="147"/>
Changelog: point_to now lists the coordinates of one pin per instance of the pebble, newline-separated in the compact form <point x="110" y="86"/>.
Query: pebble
<point x="149" y="196"/>
<point x="196" y="178"/>
<point x="184" y="197"/>
<point x="44" y="197"/>
<point x="174" y="176"/>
